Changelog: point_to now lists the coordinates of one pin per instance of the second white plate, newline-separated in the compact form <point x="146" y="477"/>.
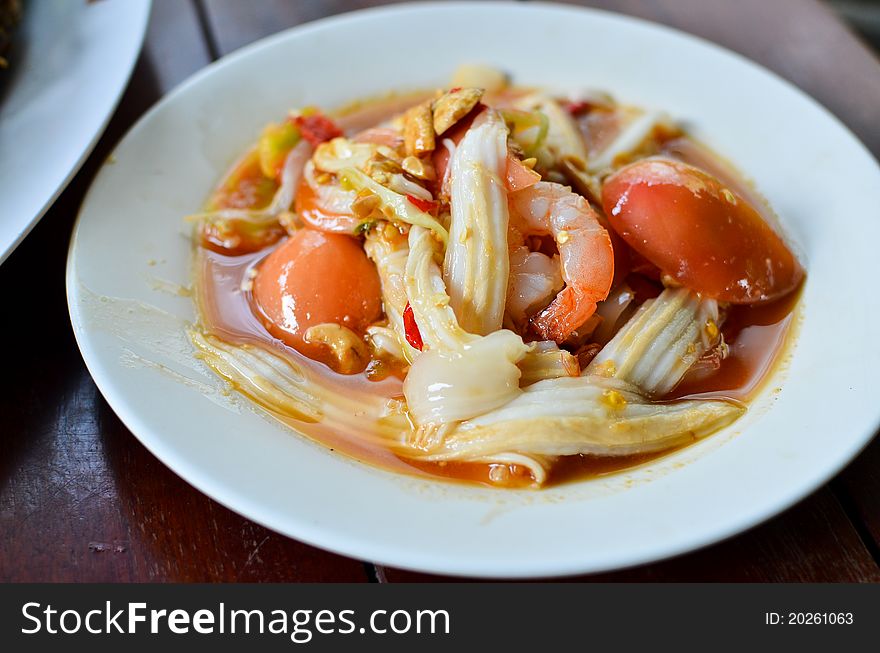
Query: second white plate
<point x="69" y="67"/>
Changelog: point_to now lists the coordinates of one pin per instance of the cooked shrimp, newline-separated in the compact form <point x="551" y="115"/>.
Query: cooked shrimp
<point x="586" y="255"/>
<point x="534" y="280"/>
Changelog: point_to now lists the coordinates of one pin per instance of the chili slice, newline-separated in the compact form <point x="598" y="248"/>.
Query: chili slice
<point x="413" y="336"/>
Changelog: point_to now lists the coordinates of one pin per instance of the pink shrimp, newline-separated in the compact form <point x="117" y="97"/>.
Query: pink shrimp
<point x="585" y="251"/>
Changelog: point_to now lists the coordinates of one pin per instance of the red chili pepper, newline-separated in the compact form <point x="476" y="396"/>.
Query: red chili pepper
<point x="455" y="90"/>
<point x="422" y="205"/>
<point x="576" y="107"/>
<point x="317" y="128"/>
<point x="413" y="336"/>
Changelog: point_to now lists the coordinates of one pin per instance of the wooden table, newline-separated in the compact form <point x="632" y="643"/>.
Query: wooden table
<point x="82" y="500"/>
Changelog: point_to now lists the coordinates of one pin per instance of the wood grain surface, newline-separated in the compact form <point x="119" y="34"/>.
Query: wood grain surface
<point x="82" y="500"/>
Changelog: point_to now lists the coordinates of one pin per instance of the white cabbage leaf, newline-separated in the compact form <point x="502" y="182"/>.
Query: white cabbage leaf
<point x="476" y="264"/>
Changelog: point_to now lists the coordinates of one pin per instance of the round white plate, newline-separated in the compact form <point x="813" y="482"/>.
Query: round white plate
<point x="130" y="255"/>
<point x="71" y="62"/>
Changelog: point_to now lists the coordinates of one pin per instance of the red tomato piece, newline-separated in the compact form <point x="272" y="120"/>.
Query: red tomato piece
<point x="576" y="107"/>
<point x="317" y="128"/>
<point x="315" y="278"/>
<point x="700" y="233"/>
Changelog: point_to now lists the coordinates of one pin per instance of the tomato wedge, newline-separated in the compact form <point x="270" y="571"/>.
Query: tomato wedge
<point x="702" y="234"/>
<point x="314" y="278"/>
<point x="317" y="128"/>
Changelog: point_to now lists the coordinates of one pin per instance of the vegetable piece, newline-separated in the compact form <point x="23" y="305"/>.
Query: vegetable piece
<point x="444" y="387"/>
<point x="413" y="337"/>
<point x="575" y="107"/>
<point x="699" y="232"/>
<point x="316" y="278"/>
<point x="286" y="386"/>
<point x="275" y="142"/>
<point x="527" y="128"/>
<point x="332" y="216"/>
<point x="613" y="310"/>
<point x="460" y="375"/>
<point x="236" y="232"/>
<point x="403" y="210"/>
<point x="317" y="128"/>
<point x="479" y="76"/>
<point x="291" y="172"/>
<point x="476" y="266"/>
<point x="583" y="415"/>
<point x="245" y="187"/>
<point x="428" y="206"/>
<point x="661" y="342"/>
<point x="518" y="175"/>
<point x="389" y="250"/>
<point x="547" y="361"/>
<point x="562" y="138"/>
<point x="454" y="135"/>
<point x="637" y="136"/>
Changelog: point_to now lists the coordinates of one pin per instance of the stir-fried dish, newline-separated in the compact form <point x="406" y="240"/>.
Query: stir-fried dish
<point x="492" y="283"/>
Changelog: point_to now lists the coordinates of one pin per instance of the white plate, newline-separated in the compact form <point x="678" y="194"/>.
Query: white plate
<point x="69" y="67"/>
<point x="129" y="322"/>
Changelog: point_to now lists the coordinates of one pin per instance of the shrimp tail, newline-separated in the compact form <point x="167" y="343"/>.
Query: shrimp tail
<point x="568" y="311"/>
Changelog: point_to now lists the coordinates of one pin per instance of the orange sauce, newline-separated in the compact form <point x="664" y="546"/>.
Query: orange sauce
<point x="756" y="336"/>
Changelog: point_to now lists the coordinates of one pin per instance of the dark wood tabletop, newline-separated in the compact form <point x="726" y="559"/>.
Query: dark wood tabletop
<point x="82" y="500"/>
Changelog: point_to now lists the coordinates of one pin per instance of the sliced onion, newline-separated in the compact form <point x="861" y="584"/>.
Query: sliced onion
<point x="611" y="310"/>
<point x="290" y="175"/>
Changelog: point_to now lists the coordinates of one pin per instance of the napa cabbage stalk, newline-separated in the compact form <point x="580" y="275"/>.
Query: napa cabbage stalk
<point x="661" y="342"/>
<point x="630" y="139"/>
<point x="476" y="266"/>
<point x="459" y="374"/>
<point x="607" y="411"/>
<point x="389" y="249"/>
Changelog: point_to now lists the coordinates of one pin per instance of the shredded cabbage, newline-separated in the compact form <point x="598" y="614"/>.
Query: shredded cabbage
<point x="403" y="209"/>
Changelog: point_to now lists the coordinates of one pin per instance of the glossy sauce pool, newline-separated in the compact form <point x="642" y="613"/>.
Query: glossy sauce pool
<point x="756" y="335"/>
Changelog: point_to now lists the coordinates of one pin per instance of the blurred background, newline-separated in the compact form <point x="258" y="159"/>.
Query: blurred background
<point x="863" y="16"/>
